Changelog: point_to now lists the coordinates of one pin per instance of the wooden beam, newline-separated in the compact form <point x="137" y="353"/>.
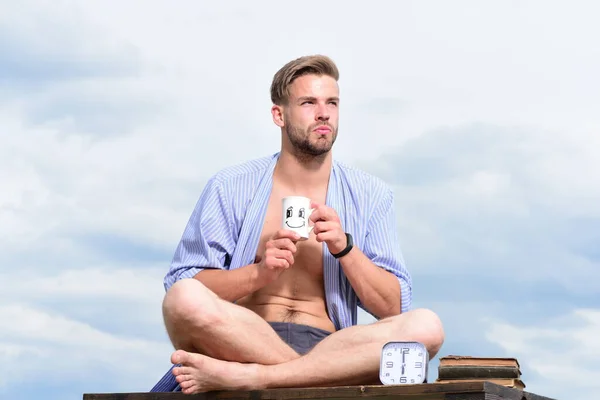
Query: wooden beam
<point x="429" y="391"/>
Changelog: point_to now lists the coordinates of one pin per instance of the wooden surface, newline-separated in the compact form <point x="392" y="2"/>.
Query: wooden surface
<point x="429" y="391"/>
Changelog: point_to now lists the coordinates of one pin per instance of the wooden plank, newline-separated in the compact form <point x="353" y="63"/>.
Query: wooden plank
<point x="260" y="395"/>
<point x="429" y="391"/>
<point x="498" y="392"/>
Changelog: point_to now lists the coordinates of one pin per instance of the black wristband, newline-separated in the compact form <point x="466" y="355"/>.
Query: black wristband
<point x="349" y="245"/>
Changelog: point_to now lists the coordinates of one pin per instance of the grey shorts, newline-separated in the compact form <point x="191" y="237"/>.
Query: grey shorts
<point x="301" y="338"/>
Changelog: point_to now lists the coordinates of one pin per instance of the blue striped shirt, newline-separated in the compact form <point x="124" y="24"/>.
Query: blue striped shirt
<point x="223" y="232"/>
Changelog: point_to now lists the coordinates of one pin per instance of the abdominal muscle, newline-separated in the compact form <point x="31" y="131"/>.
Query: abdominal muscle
<point x="298" y="295"/>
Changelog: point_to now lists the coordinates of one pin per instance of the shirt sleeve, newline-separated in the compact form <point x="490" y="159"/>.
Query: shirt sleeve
<point x="382" y="247"/>
<point x="208" y="239"/>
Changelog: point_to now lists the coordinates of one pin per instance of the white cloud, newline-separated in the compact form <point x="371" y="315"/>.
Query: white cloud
<point x="118" y="113"/>
<point x="562" y="352"/>
<point x="58" y="348"/>
<point x="142" y="284"/>
<point x="495" y="201"/>
<point x="160" y="161"/>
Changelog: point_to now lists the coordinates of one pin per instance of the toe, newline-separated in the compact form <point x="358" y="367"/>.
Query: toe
<point x="187" y="386"/>
<point x="182" y="371"/>
<point x="179" y="357"/>
<point x="183" y="378"/>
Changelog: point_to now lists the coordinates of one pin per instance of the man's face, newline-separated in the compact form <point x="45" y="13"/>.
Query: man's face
<point x="311" y="116"/>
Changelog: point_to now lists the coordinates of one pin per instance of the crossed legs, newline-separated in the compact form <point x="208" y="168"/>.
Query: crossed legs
<point x="198" y="321"/>
<point x="225" y="346"/>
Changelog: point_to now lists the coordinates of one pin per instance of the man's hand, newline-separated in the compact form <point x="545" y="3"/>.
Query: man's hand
<point x="328" y="227"/>
<point x="278" y="254"/>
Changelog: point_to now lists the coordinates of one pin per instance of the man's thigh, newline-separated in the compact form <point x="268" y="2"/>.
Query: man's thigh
<point x="301" y="338"/>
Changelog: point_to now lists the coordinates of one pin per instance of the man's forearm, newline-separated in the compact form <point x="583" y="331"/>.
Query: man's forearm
<point x="232" y="285"/>
<point x="377" y="289"/>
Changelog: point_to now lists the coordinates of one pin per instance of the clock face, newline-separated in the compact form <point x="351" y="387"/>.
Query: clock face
<point x="403" y="363"/>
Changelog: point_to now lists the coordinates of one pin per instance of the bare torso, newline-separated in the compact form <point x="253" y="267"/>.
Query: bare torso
<point x="298" y="295"/>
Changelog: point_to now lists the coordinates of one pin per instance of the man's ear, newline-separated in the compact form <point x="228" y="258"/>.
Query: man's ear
<point x="277" y="113"/>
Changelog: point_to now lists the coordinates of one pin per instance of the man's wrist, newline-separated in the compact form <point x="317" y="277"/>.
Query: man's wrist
<point x="349" y="244"/>
<point x="258" y="278"/>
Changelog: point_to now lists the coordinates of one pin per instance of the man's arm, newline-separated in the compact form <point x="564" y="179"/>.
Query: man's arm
<point x="381" y="250"/>
<point x="377" y="273"/>
<point x="232" y="285"/>
<point x="377" y="289"/>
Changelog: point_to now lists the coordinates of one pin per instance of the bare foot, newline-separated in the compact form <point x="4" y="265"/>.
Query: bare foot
<point x="200" y="373"/>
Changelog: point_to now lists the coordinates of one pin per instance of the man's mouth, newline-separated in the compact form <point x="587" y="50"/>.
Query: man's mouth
<point x="323" y="129"/>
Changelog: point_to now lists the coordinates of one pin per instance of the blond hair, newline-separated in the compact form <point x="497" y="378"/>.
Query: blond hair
<point x="315" y="64"/>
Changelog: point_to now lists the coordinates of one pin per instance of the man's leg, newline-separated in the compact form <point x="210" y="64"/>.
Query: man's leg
<point x="199" y="321"/>
<point x="347" y="357"/>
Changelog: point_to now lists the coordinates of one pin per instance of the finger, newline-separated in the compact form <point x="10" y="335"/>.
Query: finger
<point x="329" y="214"/>
<point x="316" y="215"/>
<point x="328" y="236"/>
<point x="286" y="234"/>
<point x="288" y="257"/>
<point x="325" y="226"/>
<point x="324" y="213"/>
<point x="277" y="263"/>
<point x="281" y="263"/>
<point x="283" y="244"/>
<point x="282" y="255"/>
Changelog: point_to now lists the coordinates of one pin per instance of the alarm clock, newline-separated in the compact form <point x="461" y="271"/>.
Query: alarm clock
<point x="403" y="363"/>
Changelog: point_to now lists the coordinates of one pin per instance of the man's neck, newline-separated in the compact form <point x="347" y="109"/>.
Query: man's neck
<point x="303" y="173"/>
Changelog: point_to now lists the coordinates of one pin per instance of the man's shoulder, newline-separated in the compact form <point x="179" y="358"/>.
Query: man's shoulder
<point x="360" y="179"/>
<point x="231" y="175"/>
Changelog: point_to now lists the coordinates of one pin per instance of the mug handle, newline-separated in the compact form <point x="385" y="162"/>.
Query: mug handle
<point x="310" y="211"/>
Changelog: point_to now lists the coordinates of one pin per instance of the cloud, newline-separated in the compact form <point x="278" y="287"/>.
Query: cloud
<point x="114" y="115"/>
<point x="38" y="343"/>
<point x="83" y="330"/>
<point x="108" y="332"/>
<point x="55" y="44"/>
<point x="126" y="284"/>
<point x="562" y="352"/>
<point x="105" y="154"/>
<point x="499" y="202"/>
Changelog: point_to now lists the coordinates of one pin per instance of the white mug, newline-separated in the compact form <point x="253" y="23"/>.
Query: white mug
<point x="296" y="210"/>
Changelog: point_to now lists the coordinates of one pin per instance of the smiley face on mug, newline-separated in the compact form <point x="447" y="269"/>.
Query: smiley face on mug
<point x="295" y="221"/>
<point x="295" y="213"/>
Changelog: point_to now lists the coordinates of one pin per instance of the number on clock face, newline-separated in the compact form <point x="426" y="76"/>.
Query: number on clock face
<point x="404" y="363"/>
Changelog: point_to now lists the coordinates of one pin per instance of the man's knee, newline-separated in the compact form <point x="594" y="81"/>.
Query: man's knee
<point x="422" y="325"/>
<point x="189" y="301"/>
<point x="431" y="330"/>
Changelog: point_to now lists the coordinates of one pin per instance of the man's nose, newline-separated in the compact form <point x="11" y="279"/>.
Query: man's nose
<point x="322" y="112"/>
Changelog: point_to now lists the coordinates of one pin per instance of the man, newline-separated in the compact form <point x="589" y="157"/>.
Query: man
<point x="248" y="305"/>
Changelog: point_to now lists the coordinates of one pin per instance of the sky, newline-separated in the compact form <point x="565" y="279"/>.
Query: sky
<point x="482" y="117"/>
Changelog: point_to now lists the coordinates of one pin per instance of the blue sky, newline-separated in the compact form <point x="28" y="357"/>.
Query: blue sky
<point x="481" y="115"/>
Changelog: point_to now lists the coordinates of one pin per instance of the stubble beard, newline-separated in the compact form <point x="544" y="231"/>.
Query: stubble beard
<point x="305" y="149"/>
